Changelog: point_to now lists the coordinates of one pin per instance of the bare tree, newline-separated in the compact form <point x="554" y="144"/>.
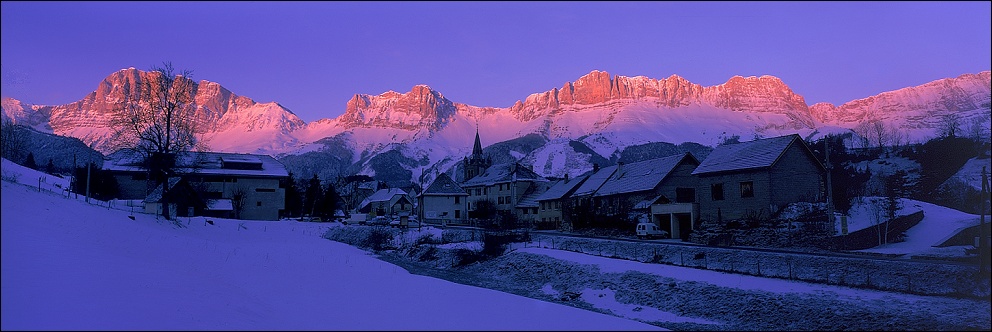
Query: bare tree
<point x="239" y="197"/>
<point x="950" y="125"/>
<point x="156" y="117"/>
<point x="12" y="141"/>
<point x="978" y="129"/>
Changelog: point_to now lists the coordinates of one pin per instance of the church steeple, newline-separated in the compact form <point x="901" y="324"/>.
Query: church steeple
<point x="477" y="163"/>
<point x="477" y="149"/>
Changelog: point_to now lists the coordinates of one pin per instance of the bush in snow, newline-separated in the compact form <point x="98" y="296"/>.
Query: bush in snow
<point x="379" y="238"/>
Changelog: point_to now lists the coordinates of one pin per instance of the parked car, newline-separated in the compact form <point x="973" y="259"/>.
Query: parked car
<point x="400" y="223"/>
<point x="647" y="230"/>
<point x="355" y="219"/>
<point x="380" y="220"/>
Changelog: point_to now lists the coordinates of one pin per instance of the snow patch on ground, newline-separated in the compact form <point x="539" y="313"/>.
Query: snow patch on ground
<point x="606" y="299"/>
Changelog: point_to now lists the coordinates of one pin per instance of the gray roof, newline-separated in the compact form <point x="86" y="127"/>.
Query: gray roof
<point x="642" y="175"/>
<point x="385" y="194"/>
<point x="443" y="185"/>
<point x="562" y="188"/>
<point x="594" y="181"/>
<point x="382" y="195"/>
<point x="503" y="173"/>
<point x="156" y="195"/>
<point x="755" y="154"/>
<point x="203" y="163"/>
<point x="529" y="199"/>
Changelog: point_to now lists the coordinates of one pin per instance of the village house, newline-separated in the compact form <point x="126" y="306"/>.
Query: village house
<point x="387" y="202"/>
<point x="758" y="178"/>
<point x="660" y="190"/>
<point x="527" y="206"/>
<point x="244" y="186"/>
<point x="551" y="202"/>
<point x="503" y="184"/>
<point x="443" y="202"/>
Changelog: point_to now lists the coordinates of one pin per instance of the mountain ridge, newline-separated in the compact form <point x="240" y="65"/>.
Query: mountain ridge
<point x="599" y="112"/>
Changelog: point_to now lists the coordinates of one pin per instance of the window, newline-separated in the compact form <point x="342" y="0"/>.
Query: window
<point x="265" y="190"/>
<point x="507" y="199"/>
<point x="747" y="189"/>
<point x="716" y="191"/>
<point x="259" y="203"/>
<point x="139" y="176"/>
<point x="500" y="200"/>
<point x="478" y="191"/>
<point x="458" y="214"/>
<point x="458" y="200"/>
<point x="685" y="195"/>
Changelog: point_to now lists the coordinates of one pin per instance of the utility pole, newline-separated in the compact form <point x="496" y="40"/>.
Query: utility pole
<point x="830" y="187"/>
<point x="88" y="182"/>
<point x="984" y="233"/>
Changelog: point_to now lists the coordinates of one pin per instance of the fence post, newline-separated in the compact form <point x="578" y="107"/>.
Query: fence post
<point x="790" y="268"/>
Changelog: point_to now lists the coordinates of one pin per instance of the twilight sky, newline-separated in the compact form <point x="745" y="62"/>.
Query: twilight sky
<point x="312" y="57"/>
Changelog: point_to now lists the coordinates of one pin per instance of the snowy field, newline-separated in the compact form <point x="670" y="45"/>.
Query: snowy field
<point x="69" y="265"/>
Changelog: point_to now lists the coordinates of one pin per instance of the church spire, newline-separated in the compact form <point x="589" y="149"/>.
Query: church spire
<point x="477" y="149"/>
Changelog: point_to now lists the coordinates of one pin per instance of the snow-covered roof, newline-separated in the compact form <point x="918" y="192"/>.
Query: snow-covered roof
<point x="369" y="185"/>
<point x="382" y="195"/>
<point x="204" y="163"/>
<point x="594" y="181"/>
<point x="529" y="199"/>
<point x="755" y="154"/>
<point x="443" y="185"/>
<point x="503" y="173"/>
<point x="647" y="202"/>
<point x="642" y="175"/>
<point x="562" y="188"/>
<point x="156" y="195"/>
<point x="220" y="205"/>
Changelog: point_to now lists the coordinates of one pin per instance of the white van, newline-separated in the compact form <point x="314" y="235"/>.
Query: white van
<point x="646" y="230"/>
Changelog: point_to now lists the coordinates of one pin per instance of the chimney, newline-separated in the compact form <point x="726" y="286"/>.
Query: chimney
<point x="619" y="167"/>
<point x="595" y="167"/>
<point x="566" y="177"/>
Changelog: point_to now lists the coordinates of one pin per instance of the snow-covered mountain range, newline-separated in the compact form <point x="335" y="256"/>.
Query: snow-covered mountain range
<point x="415" y="135"/>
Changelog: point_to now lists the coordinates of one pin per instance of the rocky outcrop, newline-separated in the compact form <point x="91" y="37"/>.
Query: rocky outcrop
<point x="422" y="107"/>
<point x="217" y="110"/>
<point x="751" y="94"/>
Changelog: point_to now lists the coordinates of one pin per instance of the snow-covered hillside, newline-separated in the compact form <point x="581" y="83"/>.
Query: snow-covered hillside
<point x="69" y="265"/>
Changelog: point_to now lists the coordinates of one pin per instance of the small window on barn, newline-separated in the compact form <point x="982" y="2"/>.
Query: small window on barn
<point x="716" y="190"/>
<point x="259" y="203"/>
<point x="747" y="189"/>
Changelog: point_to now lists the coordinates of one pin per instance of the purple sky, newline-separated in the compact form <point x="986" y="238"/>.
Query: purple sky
<point x="312" y="57"/>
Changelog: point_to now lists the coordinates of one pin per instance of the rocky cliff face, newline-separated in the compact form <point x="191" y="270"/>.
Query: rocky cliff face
<point x="217" y="110"/>
<point x="422" y="107"/>
<point x="766" y="94"/>
<point x="915" y="104"/>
